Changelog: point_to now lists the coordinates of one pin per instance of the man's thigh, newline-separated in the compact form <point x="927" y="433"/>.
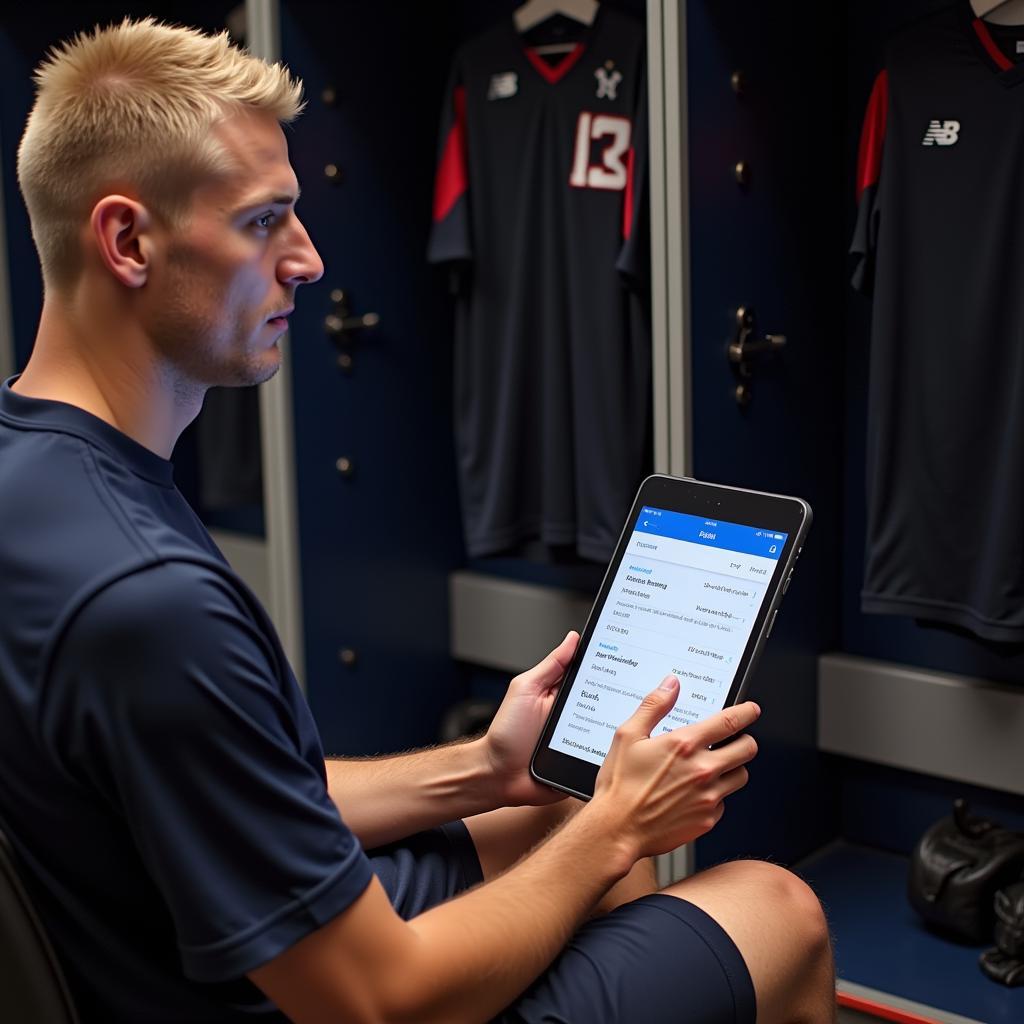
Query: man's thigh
<point x="427" y="868"/>
<point x="659" y="960"/>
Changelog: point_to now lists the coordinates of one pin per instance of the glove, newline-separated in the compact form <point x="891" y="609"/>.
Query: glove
<point x="955" y="870"/>
<point x="1005" y="963"/>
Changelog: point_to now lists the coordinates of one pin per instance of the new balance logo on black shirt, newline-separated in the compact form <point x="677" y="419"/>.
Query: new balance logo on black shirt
<point x="503" y="86"/>
<point x="941" y="133"/>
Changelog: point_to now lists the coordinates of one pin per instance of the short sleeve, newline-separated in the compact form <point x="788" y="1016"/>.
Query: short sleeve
<point x="450" y="235"/>
<point x="869" y="170"/>
<point x="166" y="696"/>
<point x="635" y="255"/>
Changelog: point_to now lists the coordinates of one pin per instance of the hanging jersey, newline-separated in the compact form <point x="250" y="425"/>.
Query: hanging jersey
<point x="940" y="244"/>
<point x="539" y="198"/>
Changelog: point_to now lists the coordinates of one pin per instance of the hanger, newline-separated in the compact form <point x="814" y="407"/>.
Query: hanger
<point x="534" y="12"/>
<point x="999" y="12"/>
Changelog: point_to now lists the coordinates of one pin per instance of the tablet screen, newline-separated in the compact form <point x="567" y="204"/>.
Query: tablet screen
<point x="684" y="600"/>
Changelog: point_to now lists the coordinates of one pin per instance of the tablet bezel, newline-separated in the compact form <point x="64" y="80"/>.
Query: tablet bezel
<point x="781" y="513"/>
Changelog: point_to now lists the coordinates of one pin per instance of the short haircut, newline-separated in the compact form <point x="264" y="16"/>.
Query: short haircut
<point x="128" y="108"/>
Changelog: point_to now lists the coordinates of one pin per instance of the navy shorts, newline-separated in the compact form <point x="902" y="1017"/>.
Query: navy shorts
<point x="658" y="959"/>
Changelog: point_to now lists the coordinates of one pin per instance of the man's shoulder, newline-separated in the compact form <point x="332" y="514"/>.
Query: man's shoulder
<point x="80" y="494"/>
<point x="158" y="643"/>
<point x="76" y="523"/>
<point x="168" y="603"/>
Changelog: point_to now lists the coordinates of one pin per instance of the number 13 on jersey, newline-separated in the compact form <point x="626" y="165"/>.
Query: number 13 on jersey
<point x="610" y="171"/>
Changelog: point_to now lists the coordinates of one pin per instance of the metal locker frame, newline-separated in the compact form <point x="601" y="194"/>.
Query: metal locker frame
<point x="283" y="565"/>
<point x="670" y="272"/>
<point x="670" y="236"/>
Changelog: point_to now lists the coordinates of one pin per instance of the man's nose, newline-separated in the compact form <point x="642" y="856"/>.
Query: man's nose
<point x="302" y="265"/>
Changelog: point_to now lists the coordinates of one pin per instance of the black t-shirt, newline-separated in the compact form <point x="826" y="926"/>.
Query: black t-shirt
<point x="540" y="198"/>
<point x="161" y="777"/>
<point x="940" y="244"/>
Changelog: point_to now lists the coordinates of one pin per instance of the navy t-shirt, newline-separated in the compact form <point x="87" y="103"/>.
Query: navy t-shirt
<point x="161" y="777"/>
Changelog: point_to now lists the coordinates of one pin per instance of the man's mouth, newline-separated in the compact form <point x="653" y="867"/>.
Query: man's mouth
<point x="281" y="319"/>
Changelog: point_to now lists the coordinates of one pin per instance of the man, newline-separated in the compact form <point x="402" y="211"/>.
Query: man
<point x="160" y="775"/>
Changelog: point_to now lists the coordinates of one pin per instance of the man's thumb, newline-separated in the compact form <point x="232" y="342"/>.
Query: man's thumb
<point x="655" y="706"/>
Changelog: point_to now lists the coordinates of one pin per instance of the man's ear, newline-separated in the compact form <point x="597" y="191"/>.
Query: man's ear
<point x="120" y="228"/>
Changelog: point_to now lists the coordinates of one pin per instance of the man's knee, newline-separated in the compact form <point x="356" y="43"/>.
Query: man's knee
<point x="790" y="898"/>
<point x="764" y="892"/>
<point x="798" y="901"/>
<point x="788" y="893"/>
<point x="778" y="925"/>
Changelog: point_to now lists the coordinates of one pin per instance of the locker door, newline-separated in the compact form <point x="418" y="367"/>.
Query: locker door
<point x="765" y="236"/>
<point x="378" y="520"/>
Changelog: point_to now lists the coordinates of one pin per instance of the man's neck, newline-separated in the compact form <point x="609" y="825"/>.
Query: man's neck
<point x="114" y="378"/>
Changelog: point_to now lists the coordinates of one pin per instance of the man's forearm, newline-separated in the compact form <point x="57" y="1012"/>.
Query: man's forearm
<point x="460" y="962"/>
<point x="480" y="950"/>
<point x="387" y="798"/>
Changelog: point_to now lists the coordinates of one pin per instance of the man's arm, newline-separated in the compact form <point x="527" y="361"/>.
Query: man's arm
<point x="467" y="959"/>
<point x="388" y="798"/>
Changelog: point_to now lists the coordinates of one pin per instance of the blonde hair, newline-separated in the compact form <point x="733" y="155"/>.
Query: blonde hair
<point x="130" y="107"/>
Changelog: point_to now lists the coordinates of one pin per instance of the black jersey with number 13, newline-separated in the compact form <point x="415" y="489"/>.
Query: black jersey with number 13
<point x="539" y="196"/>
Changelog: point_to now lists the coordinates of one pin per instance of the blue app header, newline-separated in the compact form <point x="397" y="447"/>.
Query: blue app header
<point x="713" y="533"/>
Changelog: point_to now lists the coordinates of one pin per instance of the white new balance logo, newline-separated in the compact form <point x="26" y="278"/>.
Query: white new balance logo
<point x="941" y="133"/>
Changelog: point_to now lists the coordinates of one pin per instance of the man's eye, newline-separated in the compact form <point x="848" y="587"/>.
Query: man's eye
<point x="265" y="220"/>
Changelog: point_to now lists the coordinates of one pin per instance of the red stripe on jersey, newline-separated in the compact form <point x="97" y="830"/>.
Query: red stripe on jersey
<point x="872" y="136"/>
<point x="627" y="199"/>
<point x="1003" y="62"/>
<point x="555" y="72"/>
<point x="452" y="174"/>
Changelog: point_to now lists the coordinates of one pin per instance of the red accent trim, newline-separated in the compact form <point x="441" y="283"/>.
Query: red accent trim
<point x="627" y="199"/>
<point x="872" y="136"/>
<point x="452" y="175"/>
<point x="881" y="1011"/>
<point x="1001" y="60"/>
<point x="555" y="72"/>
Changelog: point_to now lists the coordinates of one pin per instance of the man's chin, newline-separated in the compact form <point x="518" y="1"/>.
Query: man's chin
<point x="268" y="371"/>
<point x="256" y="371"/>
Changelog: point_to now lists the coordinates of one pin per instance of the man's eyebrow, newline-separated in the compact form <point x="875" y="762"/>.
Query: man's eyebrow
<point x="272" y="199"/>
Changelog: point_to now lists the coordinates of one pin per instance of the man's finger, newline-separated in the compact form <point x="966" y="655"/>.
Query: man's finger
<point x="554" y="666"/>
<point x="653" y="708"/>
<point x="726" y="723"/>
<point x="732" y="781"/>
<point x="739" y="751"/>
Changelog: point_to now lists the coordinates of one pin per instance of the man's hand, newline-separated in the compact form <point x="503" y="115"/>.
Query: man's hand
<point x="512" y="736"/>
<point x="667" y="790"/>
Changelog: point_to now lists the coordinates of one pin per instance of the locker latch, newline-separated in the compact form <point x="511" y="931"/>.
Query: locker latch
<point x="744" y="351"/>
<point x="343" y="328"/>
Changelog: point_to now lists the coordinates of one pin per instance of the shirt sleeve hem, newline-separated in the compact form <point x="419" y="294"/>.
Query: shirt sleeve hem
<point x="236" y="955"/>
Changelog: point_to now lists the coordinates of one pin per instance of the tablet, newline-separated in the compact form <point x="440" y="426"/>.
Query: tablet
<point x="692" y="589"/>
